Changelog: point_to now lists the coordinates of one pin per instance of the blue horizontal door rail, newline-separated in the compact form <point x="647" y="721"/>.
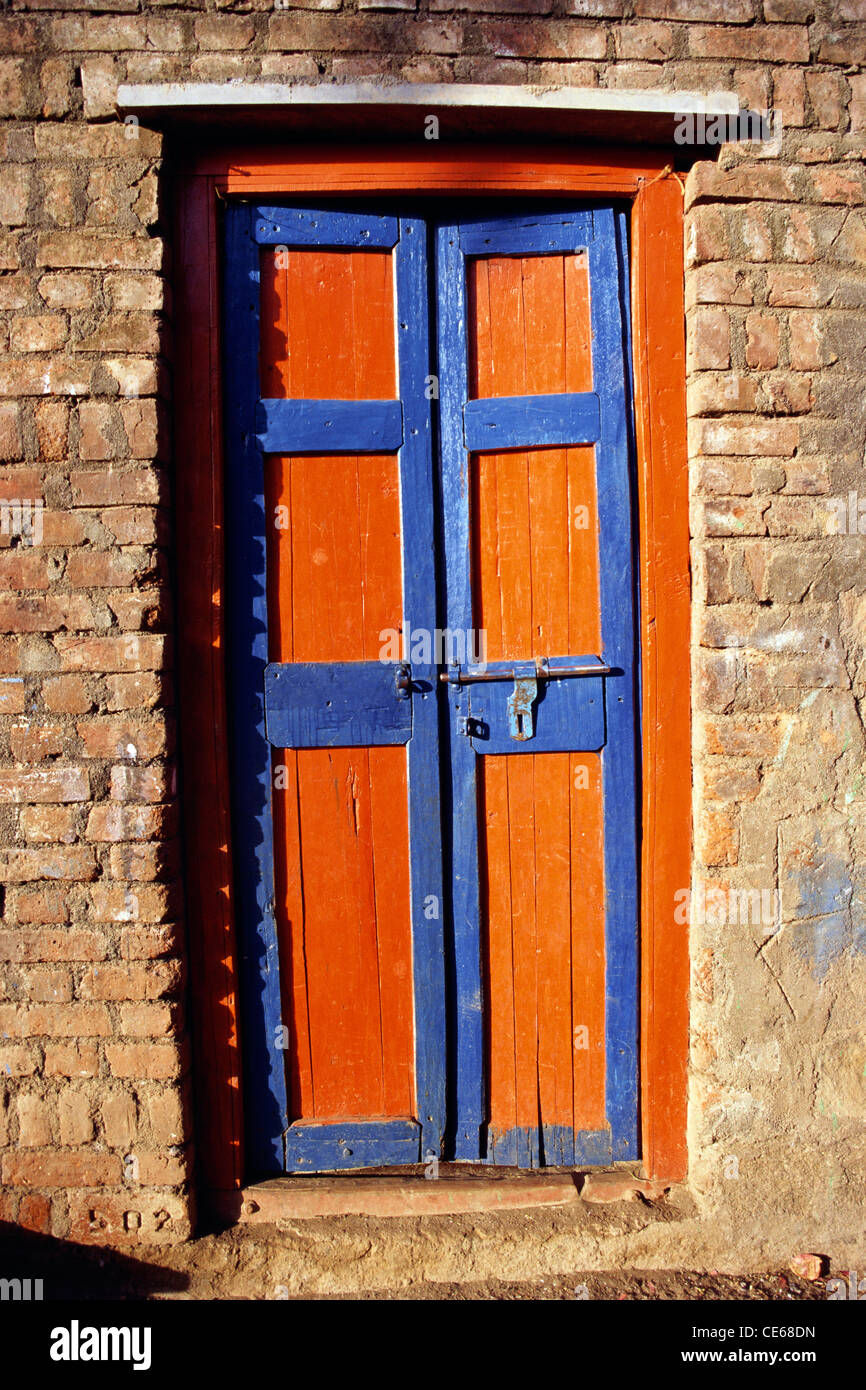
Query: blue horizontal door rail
<point x="314" y="227"/>
<point x="329" y="427"/>
<point x="312" y="1148"/>
<point x="340" y="704"/>
<point x="550" y="233"/>
<point x="531" y="422"/>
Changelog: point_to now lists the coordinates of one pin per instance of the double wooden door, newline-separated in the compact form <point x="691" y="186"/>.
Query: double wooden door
<point x="433" y="679"/>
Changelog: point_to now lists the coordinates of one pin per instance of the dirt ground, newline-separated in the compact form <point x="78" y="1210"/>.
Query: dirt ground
<point x="267" y="1262"/>
<point x="638" y="1285"/>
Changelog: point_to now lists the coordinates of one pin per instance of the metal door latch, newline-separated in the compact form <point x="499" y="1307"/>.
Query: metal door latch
<point x="519" y="704"/>
<point x="403" y="681"/>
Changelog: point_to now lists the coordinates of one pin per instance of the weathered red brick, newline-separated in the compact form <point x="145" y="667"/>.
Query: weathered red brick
<point x="149" y="1019"/>
<point x="45" y="614"/>
<point x="72" y="1059"/>
<point x="142" y="783"/>
<point x="55" y="1020"/>
<point x="127" y="902"/>
<point x="52" y="429"/>
<point x="772" y="438"/>
<point x="34" y="1122"/>
<point x="119" y="1119"/>
<point x="155" y="1061"/>
<point x="96" y="250"/>
<point x="112" y="488"/>
<point x="130" y="981"/>
<point x="110" y="737"/>
<point x="13" y="697"/>
<point x="150" y="943"/>
<point x="731" y="784"/>
<point x="132" y="1218"/>
<point x="75" y="862"/>
<point x="115" y="822"/>
<point x="11" y="444"/>
<point x="793" y="286"/>
<point x="48" y="903"/>
<point x="48" y="824"/>
<point x="50" y="1168"/>
<point x="132" y="652"/>
<point x="773" y="43"/>
<point x="762" y="340"/>
<point x="709" y="339"/>
<point x="66" y="695"/>
<point x="140" y="690"/>
<point x="32" y="743"/>
<point x="45" y="784"/>
<point x="146" y="862"/>
<point x="74" y="1115"/>
<point x="807" y="346"/>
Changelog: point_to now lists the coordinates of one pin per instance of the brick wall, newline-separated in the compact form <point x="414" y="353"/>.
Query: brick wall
<point x="94" y="1114"/>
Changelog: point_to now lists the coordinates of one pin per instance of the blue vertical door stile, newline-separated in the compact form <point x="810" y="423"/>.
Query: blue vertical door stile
<point x="417" y="512"/>
<point x="468" y="1092"/>
<point x="611" y="368"/>
<point x="264" y="1078"/>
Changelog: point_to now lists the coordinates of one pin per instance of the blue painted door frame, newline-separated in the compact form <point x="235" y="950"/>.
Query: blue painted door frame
<point x="282" y="705"/>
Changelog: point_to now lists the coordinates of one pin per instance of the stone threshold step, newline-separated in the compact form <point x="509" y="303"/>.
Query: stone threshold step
<point x="294" y="1198"/>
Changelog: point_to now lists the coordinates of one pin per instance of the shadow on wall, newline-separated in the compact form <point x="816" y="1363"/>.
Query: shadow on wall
<point x="69" y="1271"/>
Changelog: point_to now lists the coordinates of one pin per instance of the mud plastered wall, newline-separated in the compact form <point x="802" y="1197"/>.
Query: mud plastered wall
<point x="95" y="1127"/>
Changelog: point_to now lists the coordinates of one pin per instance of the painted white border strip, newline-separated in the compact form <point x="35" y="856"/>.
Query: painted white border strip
<point x="145" y="96"/>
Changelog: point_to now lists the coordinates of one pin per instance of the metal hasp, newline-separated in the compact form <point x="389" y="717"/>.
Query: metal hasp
<point x="520" y="703"/>
<point x="526" y="675"/>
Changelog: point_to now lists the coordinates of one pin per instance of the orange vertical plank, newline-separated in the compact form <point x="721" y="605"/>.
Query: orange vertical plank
<point x="495" y="860"/>
<point x="391" y="842"/>
<point x="660" y="414"/>
<point x="588" y="954"/>
<point x="520" y="777"/>
<point x="506" y="374"/>
<point x="554" y="924"/>
<point x="340" y="941"/>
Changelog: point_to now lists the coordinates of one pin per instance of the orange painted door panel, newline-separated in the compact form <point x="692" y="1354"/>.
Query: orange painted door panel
<point x="335" y="584"/>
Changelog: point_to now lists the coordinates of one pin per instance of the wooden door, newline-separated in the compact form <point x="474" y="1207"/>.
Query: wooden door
<point x="538" y="525"/>
<point x="439" y="943"/>
<point x="336" y="752"/>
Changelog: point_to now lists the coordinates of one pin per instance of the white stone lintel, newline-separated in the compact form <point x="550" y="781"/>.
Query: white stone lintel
<point x="148" y="97"/>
